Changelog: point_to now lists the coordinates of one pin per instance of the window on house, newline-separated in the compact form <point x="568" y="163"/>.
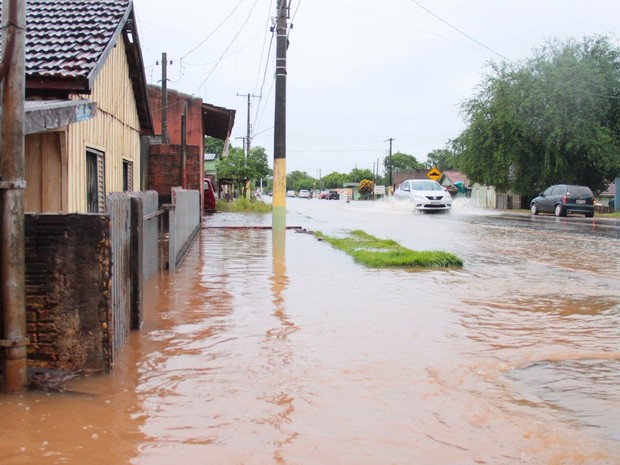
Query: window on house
<point x="127" y="175"/>
<point x="95" y="181"/>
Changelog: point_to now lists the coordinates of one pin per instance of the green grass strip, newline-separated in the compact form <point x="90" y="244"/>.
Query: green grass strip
<point x="243" y="205"/>
<point x="385" y="253"/>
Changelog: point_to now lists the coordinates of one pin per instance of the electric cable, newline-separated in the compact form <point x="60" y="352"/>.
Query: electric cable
<point x="460" y="32"/>
<point x="215" y="30"/>
<point x="228" y="47"/>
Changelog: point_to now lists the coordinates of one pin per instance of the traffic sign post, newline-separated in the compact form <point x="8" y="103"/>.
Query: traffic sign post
<point x="434" y="174"/>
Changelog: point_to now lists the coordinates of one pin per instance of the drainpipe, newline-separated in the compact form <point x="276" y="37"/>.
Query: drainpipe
<point x="13" y="340"/>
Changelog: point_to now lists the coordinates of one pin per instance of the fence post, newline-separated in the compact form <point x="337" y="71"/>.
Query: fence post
<point x="136" y="262"/>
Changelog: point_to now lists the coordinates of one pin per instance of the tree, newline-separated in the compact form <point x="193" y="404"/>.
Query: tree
<point x="234" y="167"/>
<point x="401" y="162"/>
<point x="213" y="145"/>
<point x="366" y="188"/>
<point x="240" y="169"/>
<point x="334" y="180"/>
<point x="297" y="180"/>
<point x="258" y="163"/>
<point x="442" y="159"/>
<point x="357" y="174"/>
<point x="553" y="119"/>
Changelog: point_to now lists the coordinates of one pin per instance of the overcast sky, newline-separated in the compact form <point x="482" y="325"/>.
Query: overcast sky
<point x="359" y="71"/>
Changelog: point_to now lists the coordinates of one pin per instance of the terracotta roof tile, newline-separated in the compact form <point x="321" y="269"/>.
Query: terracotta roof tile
<point x="66" y="38"/>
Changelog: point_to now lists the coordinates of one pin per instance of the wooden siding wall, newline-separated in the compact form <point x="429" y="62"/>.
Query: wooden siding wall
<point x="115" y="130"/>
<point x="44" y="173"/>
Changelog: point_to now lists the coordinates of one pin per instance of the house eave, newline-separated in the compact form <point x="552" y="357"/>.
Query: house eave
<point x="48" y="115"/>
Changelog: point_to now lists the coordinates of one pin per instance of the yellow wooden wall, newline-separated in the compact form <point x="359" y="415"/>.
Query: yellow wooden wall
<point x="115" y="131"/>
<point x="44" y="172"/>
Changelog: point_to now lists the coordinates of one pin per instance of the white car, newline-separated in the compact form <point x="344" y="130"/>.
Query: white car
<point x="304" y="194"/>
<point x="425" y="194"/>
<point x="290" y="193"/>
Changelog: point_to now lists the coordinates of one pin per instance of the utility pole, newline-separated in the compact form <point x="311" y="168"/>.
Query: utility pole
<point x="164" y="98"/>
<point x="13" y="339"/>
<point x="390" y="171"/>
<point x="246" y="147"/>
<point x="184" y="147"/>
<point x="243" y="139"/>
<point x="246" y="142"/>
<point x="279" y="133"/>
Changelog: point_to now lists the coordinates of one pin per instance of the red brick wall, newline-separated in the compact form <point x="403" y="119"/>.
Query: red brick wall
<point x="165" y="166"/>
<point x="176" y="104"/>
<point x="68" y="269"/>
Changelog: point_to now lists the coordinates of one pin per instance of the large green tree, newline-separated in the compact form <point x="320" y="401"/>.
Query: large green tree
<point x="213" y="145"/>
<point x="258" y="163"/>
<point x="553" y="118"/>
<point x="297" y="180"/>
<point x="442" y="159"/>
<point x="240" y="169"/>
<point x="334" y="180"/>
<point x="401" y="162"/>
<point x="357" y="174"/>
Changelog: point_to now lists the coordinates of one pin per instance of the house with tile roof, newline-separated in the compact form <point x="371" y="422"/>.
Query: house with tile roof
<point x="86" y="106"/>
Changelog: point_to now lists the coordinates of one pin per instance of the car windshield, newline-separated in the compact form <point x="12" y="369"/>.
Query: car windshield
<point x="425" y="186"/>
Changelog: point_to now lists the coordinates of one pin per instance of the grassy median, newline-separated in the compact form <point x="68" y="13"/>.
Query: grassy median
<point x="243" y="205"/>
<point x="381" y="253"/>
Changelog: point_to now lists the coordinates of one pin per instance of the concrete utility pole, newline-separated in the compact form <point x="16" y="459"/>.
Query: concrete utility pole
<point x="247" y="142"/>
<point x="279" y="133"/>
<point x="390" y="171"/>
<point x="164" y="99"/>
<point x="246" y="147"/>
<point x="13" y="339"/>
<point x="183" y="172"/>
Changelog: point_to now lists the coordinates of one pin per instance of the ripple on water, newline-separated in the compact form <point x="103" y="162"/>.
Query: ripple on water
<point x="579" y="389"/>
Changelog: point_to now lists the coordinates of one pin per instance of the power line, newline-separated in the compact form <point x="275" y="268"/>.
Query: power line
<point x="215" y="30"/>
<point x="460" y="32"/>
<point x="264" y="80"/>
<point x="263" y="47"/>
<point x="229" y="45"/>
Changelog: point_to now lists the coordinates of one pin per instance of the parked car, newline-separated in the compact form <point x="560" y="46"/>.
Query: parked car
<point x="304" y="194"/>
<point x="208" y="196"/>
<point x="290" y="193"/>
<point x="425" y="194"/>
<point x="333" y="195"/>
<point x="561" y="199"/>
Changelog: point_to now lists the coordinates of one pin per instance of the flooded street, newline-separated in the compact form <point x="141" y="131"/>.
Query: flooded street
<point x="264" y="349"/>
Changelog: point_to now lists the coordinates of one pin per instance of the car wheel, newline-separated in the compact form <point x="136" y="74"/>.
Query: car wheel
<point x="534" y="209"/>
<point x="559" y="211"/>
<point x="589" y="215"/>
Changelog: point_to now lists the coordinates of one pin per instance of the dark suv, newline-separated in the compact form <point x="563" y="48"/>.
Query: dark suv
<point x="562" y="199"/>
<point x="333" y="195"/>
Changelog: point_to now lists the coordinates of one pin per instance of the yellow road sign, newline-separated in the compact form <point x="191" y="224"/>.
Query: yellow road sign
<point x="434" y="174"/>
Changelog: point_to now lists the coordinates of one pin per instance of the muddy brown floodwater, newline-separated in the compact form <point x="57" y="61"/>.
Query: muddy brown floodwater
<point x="278" y="349"/>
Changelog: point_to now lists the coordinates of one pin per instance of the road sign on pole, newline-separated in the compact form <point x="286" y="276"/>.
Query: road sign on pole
<point x="434" y="174"/>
